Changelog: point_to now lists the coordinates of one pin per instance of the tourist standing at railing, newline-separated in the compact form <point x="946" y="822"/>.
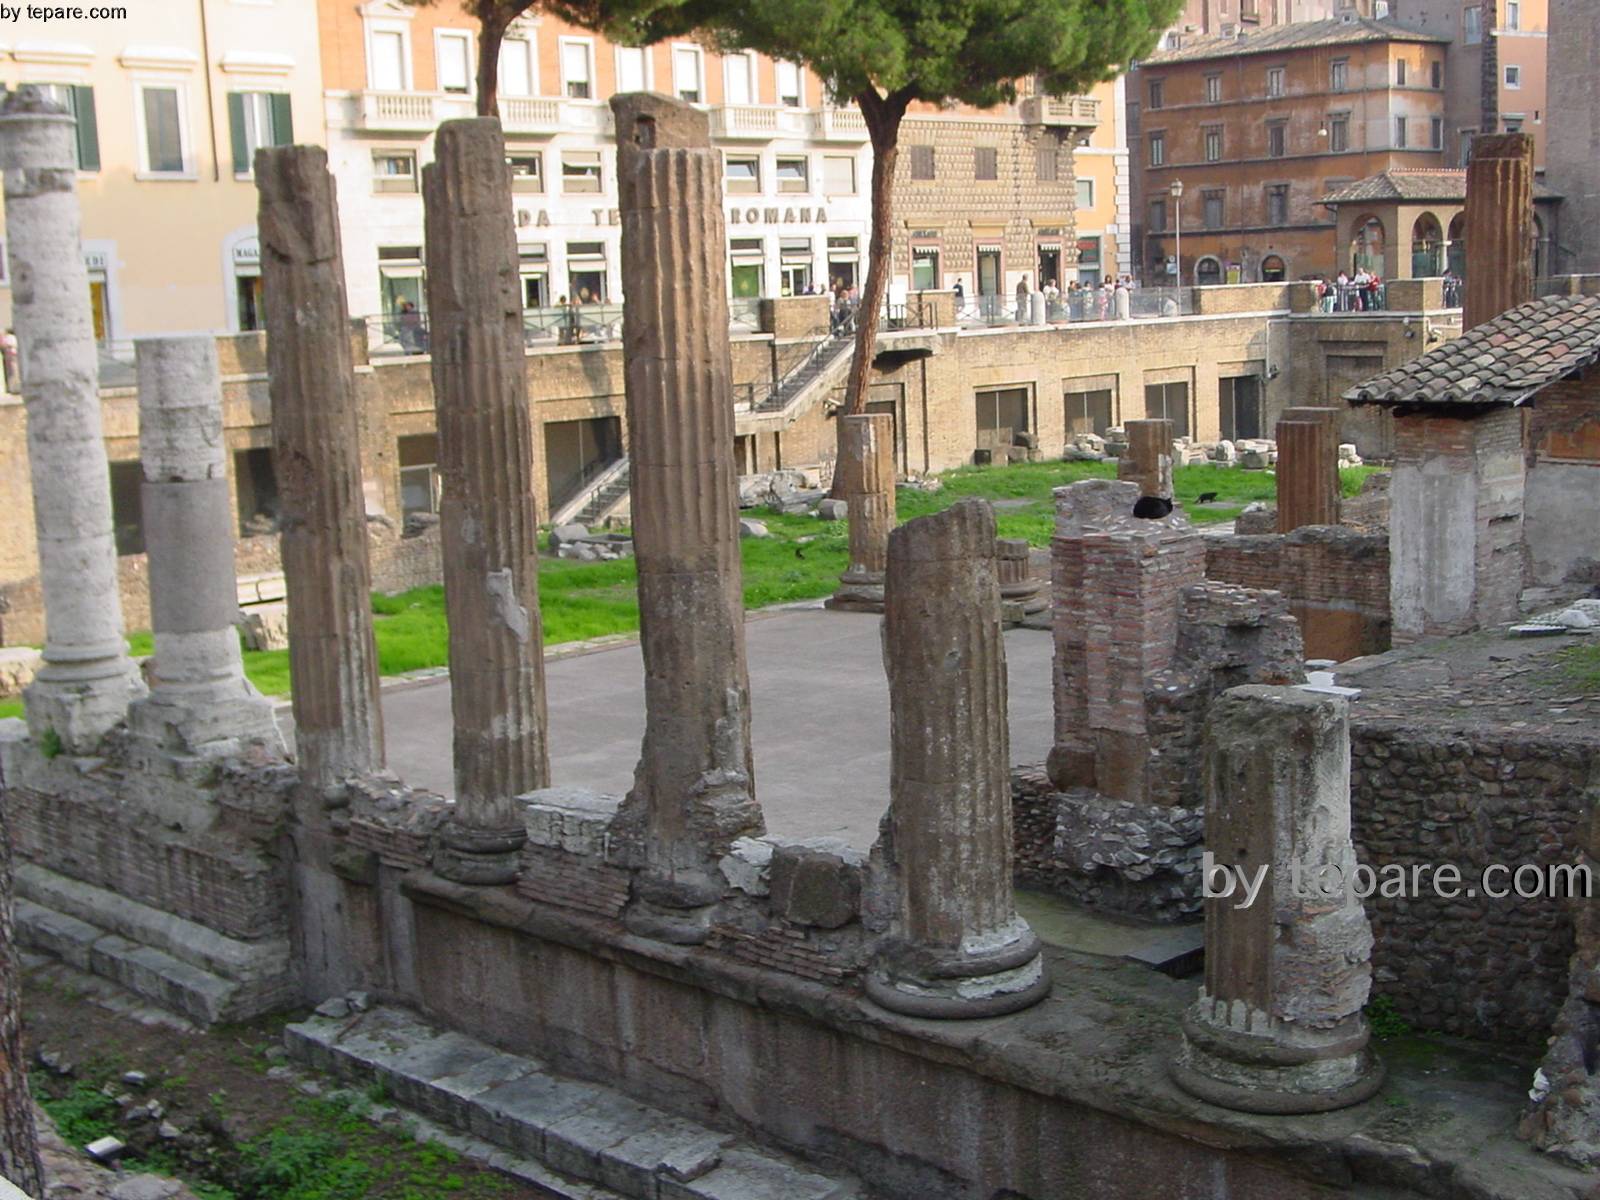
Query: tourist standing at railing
<point x="1360" y="292"/>
<point x="1052" y="300"/>
<point x="1023" y="292"/>
<point x="961" y="294"/>
<point x="1124" y="300"/>
<point x="413" y="340"/>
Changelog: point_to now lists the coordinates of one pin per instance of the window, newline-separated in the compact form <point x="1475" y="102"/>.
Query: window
<point x="1158" y="215"/>
<point x="79" y="101"/>
<point x="516" y="67"/>
<point x="1158" y="149"/>
<point x="1277" y="138"/>
<point x="586" y="272"/>
<point x="1088" y="412"/>
<point x="924" y="268"/>
<point x="257" y="119"/>
<point x="386" y="61"/>
<point x="1399" y="133"/>
<point x="1213" y="89"/>
<point x="745" y="267"/>
<point x="394" y="171"/>
<point x="1085" y="193"/>
<point x="1157" y="92"/>
<point x="420" y="480"/>
<point x="1240" y="401"/>
<point x="789" y="94"/>
<point x="738" y="79"/>
<point x="1513" y="77"/>
<point x="741" y="174"/>
<point x="580" y="171"/>
<point x="1436" y="133"/>
<point x="631" y="69"/>
<point x="838" y="175"/>
<point x="686" y="75"/>
<point x="1274" y="82"/>
<point x="533" y="265"/>
<point x="794" y="175"/>
<point x="1339" y="133"/>
<point x="161" y="108"/>
<point x="1339" y="74"/>
<point x="985" y="163"/>
<point x="1046" y="164"/>
<point x="1513" y="14"/>
<point x="1513" y="124"/>
<point x="1278" y="204"/>
<point x="1472" y="25"/>
<point x="1171" y="401"/>
<point x="1436" y="74"/>
<point x="577" y="74"/>
<point x="1213" y="204"/>
<point x="1213" y="137"/>
<point x="452" y="51"/>
<point x="1002" y="414"/>
<point x="1400" y="72"/>
<point x="794" y="265"/>
<point x="1466" y="145"/>
<point x="922" y="162"/>
<point x="527" y="172"/>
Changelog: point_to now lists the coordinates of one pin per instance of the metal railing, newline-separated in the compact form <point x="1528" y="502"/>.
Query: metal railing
<point x="1070" y="308"/>
<point x="796" y="362"/>
<point x="1356" y="298"/>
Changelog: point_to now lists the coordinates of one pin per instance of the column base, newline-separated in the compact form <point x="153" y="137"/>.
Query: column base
<point x="1282" y="1071"/>
<point x="952" y="985"/>
<point x="76" y="706"/>
<point x="1031" y="599"/>
<point x="481" y="857"/>
<point x="859" y="591"/>
<point x="679" y="909"/>
<point x="206" y="723"/>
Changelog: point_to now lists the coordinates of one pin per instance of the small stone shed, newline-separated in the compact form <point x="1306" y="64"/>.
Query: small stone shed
<point x="1497" y="462"/>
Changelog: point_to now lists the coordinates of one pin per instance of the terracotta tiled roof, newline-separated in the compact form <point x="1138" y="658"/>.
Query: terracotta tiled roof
<point x="1505" y="361"/>
<point x="1414" y="185"/>
<point x="1276" y="39"/>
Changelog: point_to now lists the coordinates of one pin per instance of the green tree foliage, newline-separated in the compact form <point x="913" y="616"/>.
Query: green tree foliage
<point x="888" y="54"/>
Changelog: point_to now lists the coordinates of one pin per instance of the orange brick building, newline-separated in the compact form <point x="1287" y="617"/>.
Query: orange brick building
<point x="1257" y="127"/>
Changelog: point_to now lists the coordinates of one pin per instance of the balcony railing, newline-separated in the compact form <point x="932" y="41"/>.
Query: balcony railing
<point x="841" y="125"/>
<point x="527" y="114"/>
<point x="1079" y="112"/>
<point x="420" y="112"/>
<point x="759" y="122"/>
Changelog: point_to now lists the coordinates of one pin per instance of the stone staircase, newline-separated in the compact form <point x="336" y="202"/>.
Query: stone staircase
<point x="592" y="1135"/>
<point x="829" y="354"/>
<point x="606" y="497"/>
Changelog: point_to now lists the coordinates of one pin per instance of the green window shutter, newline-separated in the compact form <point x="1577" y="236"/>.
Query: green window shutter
<point x="241" y="146"/>
<point x="282" y="120"/>
<point x="88" y="129"/>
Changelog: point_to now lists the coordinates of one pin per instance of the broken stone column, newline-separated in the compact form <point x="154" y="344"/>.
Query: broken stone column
<point x="957" y="947"/>
<point x="87" y="678"/>
<point x="316" y="435"/>
<point x="1020" y="590"/>
<point x="1278" y="1026"/>
<point x="200" y="702"/>
<point x="1148" y="459"/>
<point x="1308" y="467"/>
<point x="694" y="790"/>
<point x="487" y="525"/>
<point x="866" y="462"/>
<point x="1500" y="228"/>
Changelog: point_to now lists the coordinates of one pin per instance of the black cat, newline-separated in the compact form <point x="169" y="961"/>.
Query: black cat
<point x="1153" y="508"/>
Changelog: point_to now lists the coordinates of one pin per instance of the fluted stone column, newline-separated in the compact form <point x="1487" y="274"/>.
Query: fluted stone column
<point x="694" y="790"/>
<point x="1307" y="478"/>
<point x="87" y="679"/>
<point x="200" y="702"/>
<point x="316" y="435"/>
<point x="957" y="947"/>
<point x="1018" y="584"/>
<point x="866" y="459"/>
<point x="1278" y="1026"/>
<point x="1500" y="228"/>
<point x="486" y="516"/>
<point x="1148" y="461"/>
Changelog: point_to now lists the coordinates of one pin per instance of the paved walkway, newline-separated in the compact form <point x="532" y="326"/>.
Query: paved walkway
<point x="820" y="720"/>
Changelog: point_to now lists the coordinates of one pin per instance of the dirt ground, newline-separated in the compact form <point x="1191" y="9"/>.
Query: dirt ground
<point x="221" y="1110"/>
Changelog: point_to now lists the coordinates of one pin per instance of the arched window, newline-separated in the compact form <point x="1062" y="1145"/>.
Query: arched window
<point x="1273" y="269"/>
<point x="1427" y="247"/>
<point x="1207" y="272"/>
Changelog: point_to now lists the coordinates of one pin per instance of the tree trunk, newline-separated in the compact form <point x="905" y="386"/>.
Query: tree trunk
<point x="882" y="115"/>
<point x="19" y="1146"/>
<point x="493" y="33"/>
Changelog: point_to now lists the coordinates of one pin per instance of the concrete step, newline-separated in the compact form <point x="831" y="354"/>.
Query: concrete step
<point x="152" y="974"/>
<point x="584" y="1131"/>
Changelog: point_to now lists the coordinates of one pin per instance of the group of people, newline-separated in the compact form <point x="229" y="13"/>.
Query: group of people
<point x="1361" y="292"/>
<point x="843" y="299"/>
<point x="1110" y="299"/>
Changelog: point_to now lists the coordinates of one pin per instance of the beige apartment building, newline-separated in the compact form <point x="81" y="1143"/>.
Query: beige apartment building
<point x="171" y="104"/>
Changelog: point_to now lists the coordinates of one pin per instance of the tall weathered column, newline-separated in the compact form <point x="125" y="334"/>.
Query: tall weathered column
<point x="1278" y="1026"/>
<point x="486" y="520"/>
<point x="1308" y="467"/>
<point x="866" y="460"/>
<point x="694" y="790"/>
<point x="957" y="947"/>
<point x="316" y="433"/>
<point x="1499" y="226"/>
<point x="200" y="702"/>
<point x="1148" y="461"/>
<point x="87" y="679"/>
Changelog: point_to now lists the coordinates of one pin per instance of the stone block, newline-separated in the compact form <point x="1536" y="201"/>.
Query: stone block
<point x="753" y="529"/>
<point x="816" y="885"/>
<point x="18" y="665"/>
<point x="568" y="818"/>
<point x="833" y="510"/>
<point x="265" y="626"/>
<point x="561" y="534"/>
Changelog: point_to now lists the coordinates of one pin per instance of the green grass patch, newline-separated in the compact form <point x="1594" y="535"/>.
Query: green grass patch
<point x="82" y="1114"/>
<point x="1580" y="666"/>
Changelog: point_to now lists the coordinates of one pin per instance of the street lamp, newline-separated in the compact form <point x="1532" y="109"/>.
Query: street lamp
<point x="1177" y="215"/>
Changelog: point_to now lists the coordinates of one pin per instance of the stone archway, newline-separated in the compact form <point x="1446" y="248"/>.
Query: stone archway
<point x="1207" y="271"/>
<point x="1427" y="247"/>
<point x="1458" y="246"/>
<point x="1274" y="269"/>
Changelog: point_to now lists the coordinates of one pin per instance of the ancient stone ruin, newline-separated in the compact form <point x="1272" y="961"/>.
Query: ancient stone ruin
<point x="866" y="465"/>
